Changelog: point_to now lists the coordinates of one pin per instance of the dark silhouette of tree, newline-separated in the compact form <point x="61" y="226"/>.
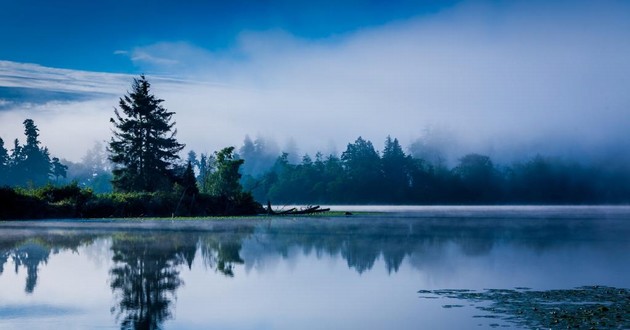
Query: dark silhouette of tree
<point x="189" y="182"/>
<point x="396" y="172"/>
<point x="59" y="170"/>
<point x="478" y="178"/>
<point x="143" y="148"/>
<point x="362" y="166"/>
<point x="29" y="164"/>
<point x="4" y="164"/>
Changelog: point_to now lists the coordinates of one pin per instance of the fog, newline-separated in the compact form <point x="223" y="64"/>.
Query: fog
<point x="505" y="79"/>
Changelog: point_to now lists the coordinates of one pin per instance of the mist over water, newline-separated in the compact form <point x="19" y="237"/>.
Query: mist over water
<point x="283" y="272"/>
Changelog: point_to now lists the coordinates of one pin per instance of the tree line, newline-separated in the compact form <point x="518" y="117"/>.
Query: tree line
<point x="29" y="164"/>
<point x="141" y="164"/>
<point x="363" y="175"/>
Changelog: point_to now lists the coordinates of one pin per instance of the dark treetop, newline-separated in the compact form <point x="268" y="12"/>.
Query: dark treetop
<point x="143" y="147"/>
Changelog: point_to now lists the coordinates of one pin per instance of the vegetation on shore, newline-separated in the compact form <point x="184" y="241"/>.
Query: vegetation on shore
<point x="147" y="175"/>
<point x="72" y="201"/>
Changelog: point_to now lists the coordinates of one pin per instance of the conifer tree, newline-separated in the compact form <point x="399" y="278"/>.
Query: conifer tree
<point x="396" y="173"/>
<point x="4" y="164"/>
<point x="33" y="161"/>
<point x="189" y="182"/>
<point x="58" y="169"/>
<point x="143" y="148"/>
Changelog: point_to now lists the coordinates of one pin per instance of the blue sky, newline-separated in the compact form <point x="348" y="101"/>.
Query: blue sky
<point x="90" y="35"/>
<point x="506" y="78"/>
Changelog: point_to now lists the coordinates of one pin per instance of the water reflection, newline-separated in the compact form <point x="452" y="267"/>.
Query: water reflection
<point x="147" y="261"/>
<point x="145" y="277"/>
<point x="30" y="251"/>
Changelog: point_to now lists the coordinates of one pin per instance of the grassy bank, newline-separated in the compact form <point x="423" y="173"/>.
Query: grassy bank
<point x="72" y="201"/>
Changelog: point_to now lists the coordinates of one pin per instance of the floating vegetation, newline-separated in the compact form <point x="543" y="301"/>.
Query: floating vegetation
<point x="588" y="307"/>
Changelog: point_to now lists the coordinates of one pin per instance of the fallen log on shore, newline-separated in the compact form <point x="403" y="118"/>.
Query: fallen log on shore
<point x="295" y="211"/>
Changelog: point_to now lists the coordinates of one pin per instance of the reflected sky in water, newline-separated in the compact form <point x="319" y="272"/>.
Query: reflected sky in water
<point x="362" y="271"/>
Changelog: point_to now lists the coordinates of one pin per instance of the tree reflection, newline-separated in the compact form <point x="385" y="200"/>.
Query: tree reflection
<point x="362" y="244"/>
<point x="145" y="276"/>
<point x="30" y="256"/>
<point x="221" y="251"/>
<point x="32" y="251"/>
<point x="146" y="271"/>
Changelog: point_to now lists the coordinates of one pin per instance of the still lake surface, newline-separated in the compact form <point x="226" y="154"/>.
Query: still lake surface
<point x="364" y="271"/>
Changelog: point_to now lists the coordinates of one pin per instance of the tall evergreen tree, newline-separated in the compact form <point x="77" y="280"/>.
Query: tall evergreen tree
<point x="4" y="164"/>
<point x="363" y="169"/>
<point x="188" y="181"/>
<point x="143" y="148"/>
<point x="58" y="169"/>
<point x="396" y="172"/>
<point x="33" y="161"/>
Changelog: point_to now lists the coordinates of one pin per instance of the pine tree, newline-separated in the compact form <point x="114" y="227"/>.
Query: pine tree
<point x="33" y="161"/>
<point x="143" y="148"/>
<point x="362" y="166"/>
<point x="4" y="164"/>
<point x="396" y="173"/>
<point x="188" y="181"/>
<point x="58" y="169"/>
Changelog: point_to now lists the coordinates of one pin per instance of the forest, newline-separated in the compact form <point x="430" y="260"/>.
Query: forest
<point x="139" y="172"/>
<point x="363" y="175"/>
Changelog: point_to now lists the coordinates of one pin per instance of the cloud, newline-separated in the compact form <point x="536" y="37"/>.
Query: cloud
<point x="71" y="108"/>
<point x="527" y="76"/>
<point x="498" y="74"/>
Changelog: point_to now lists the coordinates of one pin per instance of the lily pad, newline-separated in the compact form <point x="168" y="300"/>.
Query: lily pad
<point x="588" y="307"/>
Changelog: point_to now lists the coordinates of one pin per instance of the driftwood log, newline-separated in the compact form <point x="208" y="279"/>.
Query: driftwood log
<point x="295" y="211"/>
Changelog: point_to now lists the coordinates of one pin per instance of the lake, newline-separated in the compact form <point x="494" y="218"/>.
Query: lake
<point x="380" y="268"/>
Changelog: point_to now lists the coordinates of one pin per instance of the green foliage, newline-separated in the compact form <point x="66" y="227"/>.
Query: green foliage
<point x="143" y="147"/>
<point x="71" y="201"/>
<point x="224" y="181"/>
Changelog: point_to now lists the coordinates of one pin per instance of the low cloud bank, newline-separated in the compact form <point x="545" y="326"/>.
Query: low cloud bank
<point x="502" y="78"/>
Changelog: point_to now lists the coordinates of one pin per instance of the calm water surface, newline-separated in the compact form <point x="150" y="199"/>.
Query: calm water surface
<point x="357" y="272"/>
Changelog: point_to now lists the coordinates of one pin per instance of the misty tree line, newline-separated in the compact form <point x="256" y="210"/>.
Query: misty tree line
<point x="29" y="164"/>
<point x="363" y="175"/>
